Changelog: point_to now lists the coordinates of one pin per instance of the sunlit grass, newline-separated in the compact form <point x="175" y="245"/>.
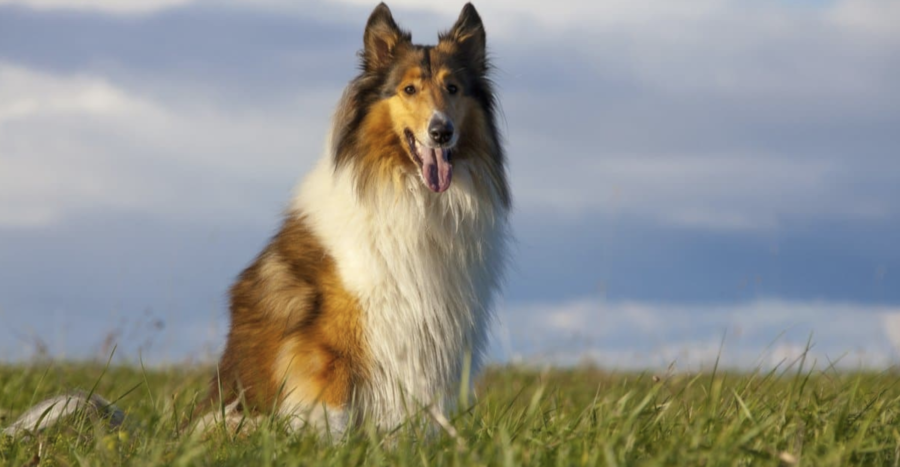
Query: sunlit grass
<point x="794" y="416"/>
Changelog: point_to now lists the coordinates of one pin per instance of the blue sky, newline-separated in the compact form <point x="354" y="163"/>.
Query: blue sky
<point x="682" y="171"/>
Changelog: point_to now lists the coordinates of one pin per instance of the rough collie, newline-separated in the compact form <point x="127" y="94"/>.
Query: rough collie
<point x="380" y="281"/>
<point x="378" y="287"/>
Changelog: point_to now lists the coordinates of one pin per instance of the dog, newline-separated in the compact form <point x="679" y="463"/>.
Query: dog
<point x="376" y="294"/>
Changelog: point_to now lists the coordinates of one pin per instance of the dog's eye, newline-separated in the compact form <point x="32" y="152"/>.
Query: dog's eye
<point x="452" y="88"/>
<point x="410" y="89"/>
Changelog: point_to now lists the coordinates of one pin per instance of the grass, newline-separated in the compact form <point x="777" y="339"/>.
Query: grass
<point x="522" y="417"/>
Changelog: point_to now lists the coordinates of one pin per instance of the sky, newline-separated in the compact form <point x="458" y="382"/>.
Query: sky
<point x="692" y="180"/>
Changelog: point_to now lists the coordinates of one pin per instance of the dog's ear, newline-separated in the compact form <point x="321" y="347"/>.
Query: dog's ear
<point x="381" y="38"/>
<point x="468" y="34"/>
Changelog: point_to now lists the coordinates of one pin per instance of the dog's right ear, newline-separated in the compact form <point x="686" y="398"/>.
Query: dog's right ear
<point x="381" y="38"/>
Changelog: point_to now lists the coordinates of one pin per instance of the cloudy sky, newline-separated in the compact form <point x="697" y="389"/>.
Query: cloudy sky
<point x="685" y="173"/>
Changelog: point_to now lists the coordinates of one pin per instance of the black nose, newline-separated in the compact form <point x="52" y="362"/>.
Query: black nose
<point x="441" y="132"/>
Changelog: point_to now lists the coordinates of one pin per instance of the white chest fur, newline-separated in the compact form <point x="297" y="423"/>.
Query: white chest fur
<point x="424" y="268"/>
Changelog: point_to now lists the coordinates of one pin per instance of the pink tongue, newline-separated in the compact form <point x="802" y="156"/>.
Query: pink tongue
<point x="436" y="169"/>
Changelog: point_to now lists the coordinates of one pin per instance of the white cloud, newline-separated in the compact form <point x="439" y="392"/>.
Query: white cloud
<point x="112" y="6"/>
<point x="82" y="143"/>
<point x="891" y="324"/>
<point x="868" y="17"/>
<point x="565" y="13"/>
<point x="676" y="23"/>
<point x="763" y="332"/>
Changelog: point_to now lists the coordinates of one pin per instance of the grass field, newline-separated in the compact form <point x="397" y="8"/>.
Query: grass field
<point x="796" y="416"/>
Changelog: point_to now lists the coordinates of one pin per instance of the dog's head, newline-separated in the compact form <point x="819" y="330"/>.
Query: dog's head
<point x="429" y="105"/>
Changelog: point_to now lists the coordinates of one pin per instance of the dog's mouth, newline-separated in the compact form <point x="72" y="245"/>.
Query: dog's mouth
<point x="434" y="163"/>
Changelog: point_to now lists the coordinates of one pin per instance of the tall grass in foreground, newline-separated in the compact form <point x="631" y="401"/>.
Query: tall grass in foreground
<point x="522" y="417"/>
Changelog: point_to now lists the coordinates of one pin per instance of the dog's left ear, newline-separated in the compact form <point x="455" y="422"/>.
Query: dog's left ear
<point x="468" y="34"/>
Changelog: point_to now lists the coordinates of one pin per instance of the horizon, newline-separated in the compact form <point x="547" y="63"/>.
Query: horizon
<point x="681" y="174"/>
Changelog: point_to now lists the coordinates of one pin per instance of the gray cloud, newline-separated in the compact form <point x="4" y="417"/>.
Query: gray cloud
<point x="231" y="54"/>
